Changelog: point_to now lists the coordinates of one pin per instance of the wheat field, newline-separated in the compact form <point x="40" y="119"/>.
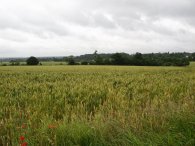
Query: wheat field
<point x="97" y="105"/>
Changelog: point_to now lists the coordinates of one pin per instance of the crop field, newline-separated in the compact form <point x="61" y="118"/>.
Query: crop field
<point x="97" y="105"/>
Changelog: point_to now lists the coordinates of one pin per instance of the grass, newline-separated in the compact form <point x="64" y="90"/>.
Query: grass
<point x="97" y="105"/>
<point x="192" y="64"/>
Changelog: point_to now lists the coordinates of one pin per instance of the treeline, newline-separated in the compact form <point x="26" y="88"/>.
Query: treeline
<point x="138" y="59"/>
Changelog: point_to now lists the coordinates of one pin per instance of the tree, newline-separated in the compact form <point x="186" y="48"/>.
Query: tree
<point x="99" y="60"/>
<point x="71" y="61"/>
<point x="107" y="61"/>
<point x="117" y="59"/>
<point x="95" y="53"/>
<point x="32" y="61"/>
<point x="138" y="56"/>
<point x="84" y="63"/>
<point x="193" y="57"/>
<point x="14" y="62"/>
<point x="138" y="59"/>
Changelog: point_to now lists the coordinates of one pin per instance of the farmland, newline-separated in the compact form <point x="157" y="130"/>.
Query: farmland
<point x="97" y="105"/>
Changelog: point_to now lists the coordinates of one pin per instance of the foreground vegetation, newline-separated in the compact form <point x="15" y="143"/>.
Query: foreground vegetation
<point x="97" y="105"/>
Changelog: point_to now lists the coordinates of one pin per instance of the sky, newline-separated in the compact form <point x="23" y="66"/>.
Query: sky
<point x="75" y="27"/>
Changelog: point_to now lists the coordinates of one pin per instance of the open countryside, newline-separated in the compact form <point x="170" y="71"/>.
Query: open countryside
<point x="97" y="72"/>
<point x="97" y="105"/>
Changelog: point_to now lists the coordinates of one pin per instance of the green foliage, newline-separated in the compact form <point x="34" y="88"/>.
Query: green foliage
<point x="71" y="61"/>
<point x="192" y="57"/>
<point x="138" y="59"/>
<point x="99" y="60"/>
<point x="14" y="63"/>
<point x="118" y="59"/>
<point x="84" y="63"/>
<point x="32" y="61"/>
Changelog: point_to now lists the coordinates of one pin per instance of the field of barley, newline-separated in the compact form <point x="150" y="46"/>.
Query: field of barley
<point x="97" y="105"/>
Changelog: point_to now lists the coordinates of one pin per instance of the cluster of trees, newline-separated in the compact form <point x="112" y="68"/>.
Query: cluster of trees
<point x="192" y="57"/>
<point x="138" y="59"/>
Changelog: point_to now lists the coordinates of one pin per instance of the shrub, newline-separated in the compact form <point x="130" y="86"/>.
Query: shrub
<point x="32" y="61"/>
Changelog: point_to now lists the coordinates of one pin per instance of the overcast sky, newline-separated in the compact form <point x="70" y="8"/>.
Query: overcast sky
<point x="74" y="27"/>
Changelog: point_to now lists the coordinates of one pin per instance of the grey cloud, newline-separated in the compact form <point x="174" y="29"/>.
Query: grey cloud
<point x="81" y="26"/>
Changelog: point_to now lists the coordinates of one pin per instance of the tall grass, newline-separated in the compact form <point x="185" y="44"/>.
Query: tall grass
<point x="97" y="105"/>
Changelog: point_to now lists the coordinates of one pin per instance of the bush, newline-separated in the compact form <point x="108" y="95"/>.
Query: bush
<point x="71" y="61"/>
<point x="32" y="61"/>
<point x="4" y="64"/>
<point x="14" y="63"/>
<point x="84" y="63"/>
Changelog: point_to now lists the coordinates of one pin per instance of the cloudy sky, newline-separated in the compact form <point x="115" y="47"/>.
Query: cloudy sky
<point x="74" y="27"/>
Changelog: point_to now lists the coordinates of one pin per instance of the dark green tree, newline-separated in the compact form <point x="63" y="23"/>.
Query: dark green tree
<point x="118" y="59"/>
<point x="99" y="60"/>
<point x="71" y="61"/>
<point x="193" y="57"/>
<point x="138" y="59"/>
<point x="84" y="63"/>
<point x="32" y="61"/>
<point x="138" y="56"/>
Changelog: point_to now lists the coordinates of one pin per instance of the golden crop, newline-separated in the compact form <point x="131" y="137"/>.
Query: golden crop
<point x="97" y="105"/>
